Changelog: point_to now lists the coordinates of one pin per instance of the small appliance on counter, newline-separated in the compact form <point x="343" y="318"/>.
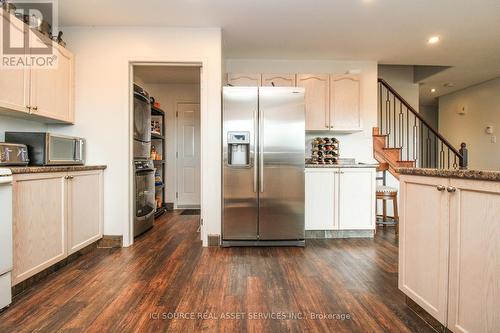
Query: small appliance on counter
<point x="325" y="151"/>
<point x="50" y="149"/>
<point x="12" y="154"/>
<point x="5" y="237"/>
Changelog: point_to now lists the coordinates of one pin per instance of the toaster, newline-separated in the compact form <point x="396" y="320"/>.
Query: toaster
<point x="13" y="154"/>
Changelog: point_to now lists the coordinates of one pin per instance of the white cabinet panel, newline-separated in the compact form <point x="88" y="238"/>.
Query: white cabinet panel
<point x="317" y="100"/>
<point x="320" y="200"/>
<point x="474" y="291"/>
<point x="244" y="80"/>
<point x="356" y="203"/>
<point x="423" y="243"/>
<point x="278" y="80"/>
<point x="85" y="217"/>
<point x="345" y="103"/>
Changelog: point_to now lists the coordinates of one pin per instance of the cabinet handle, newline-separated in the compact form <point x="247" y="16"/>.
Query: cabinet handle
<point x="451" y="189"/>
<point x="440" y="188"/>
<point x="68" y="177"/>
<point x="28" y="107"/>
<point x="34" y="108"/>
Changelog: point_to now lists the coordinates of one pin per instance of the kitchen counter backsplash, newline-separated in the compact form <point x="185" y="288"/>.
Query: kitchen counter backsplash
<point x="58" y="168"/>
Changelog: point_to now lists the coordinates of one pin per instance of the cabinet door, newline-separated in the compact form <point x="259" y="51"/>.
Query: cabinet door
<point x="320" y="198"/>
<point x="39" y="219"/>
<point x="424" y="243"/>
<point x="85" y="219"/>
<point x="356" y="203"/>
<point x="317" y="100"/>
<point x="474" y="291"/>
<point x="52" y="88"/>
<point x="14" y="86"/>
<point x="279" y="80"/>
<point x="244" y="80"/>
<point x="345" y="110"/>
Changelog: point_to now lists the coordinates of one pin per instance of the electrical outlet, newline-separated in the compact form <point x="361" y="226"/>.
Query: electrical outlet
<point x="493" y="139"/>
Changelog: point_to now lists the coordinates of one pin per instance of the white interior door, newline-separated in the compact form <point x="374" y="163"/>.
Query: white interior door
<point x="188" y="155"/>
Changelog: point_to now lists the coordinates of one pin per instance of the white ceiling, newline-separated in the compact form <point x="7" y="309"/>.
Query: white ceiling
<point x="389" y="31"/>
<point x="167" y="74"/>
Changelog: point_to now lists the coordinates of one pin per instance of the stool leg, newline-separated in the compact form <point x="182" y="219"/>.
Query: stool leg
<point x="384" y="212"/>
<point x="396" y="214"/>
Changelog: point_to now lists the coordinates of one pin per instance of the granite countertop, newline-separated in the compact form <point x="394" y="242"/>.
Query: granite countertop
<point x="463" y="174"/>
<point x="58" y="168"/>
<point x="341" y="165"/>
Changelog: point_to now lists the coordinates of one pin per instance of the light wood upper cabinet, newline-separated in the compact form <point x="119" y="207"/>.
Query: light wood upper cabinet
<point x="279" y="80"/>
<point x="345" y="103"/>
<point x="244" y="80"/>
<point x="54" y="215"/>
<point x="85" y="211"/>
<point x="52" y="88"/>
<point x="39" y="221"/>
<point x="474" y="292"/>
<point x="45" y="93"/>
<point x="14" y="82"/>
<point x="317" y="100"/>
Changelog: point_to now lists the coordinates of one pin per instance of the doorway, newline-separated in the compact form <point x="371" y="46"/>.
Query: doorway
<point x="175" y="144"/>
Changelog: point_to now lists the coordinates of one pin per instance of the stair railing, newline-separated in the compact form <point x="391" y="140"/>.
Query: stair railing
<point x="419" y="141"/>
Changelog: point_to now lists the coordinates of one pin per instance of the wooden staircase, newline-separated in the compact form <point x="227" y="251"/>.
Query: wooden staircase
<point x="404" y="139"/>
<point x="391" y="156"/>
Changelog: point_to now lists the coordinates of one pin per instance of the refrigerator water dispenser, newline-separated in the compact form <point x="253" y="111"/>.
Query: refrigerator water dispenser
<point x="238" y="148"/>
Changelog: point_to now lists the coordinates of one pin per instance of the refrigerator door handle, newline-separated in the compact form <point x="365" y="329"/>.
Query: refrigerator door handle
<point x="261" y="150"/>
<point x="255" y="151"/>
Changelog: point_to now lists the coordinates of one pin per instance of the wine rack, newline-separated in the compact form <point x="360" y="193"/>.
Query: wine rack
<point x="325" y="151"/>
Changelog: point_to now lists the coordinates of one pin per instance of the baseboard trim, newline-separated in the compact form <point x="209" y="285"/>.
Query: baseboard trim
<point x="35" y="279"/>
<point x="213" y="240"/>
<point x="108" y="242"/>
<point x="428" y="318"/>
<point x="333" y="234"/>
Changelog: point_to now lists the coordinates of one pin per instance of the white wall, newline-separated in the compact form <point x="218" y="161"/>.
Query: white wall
<point x="17" y="124"/>
<point x="102" y="56"/>
<point x="168" y="95"/>
<point x="357" y="145"/>
<point x="401" y="78"/>
<point x="482" y="104"/>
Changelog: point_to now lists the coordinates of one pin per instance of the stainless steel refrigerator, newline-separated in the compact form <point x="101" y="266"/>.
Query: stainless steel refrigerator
<point x="263" y="166"/>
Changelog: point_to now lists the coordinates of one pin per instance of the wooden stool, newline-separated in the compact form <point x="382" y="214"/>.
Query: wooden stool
<point x="386" y="193"/>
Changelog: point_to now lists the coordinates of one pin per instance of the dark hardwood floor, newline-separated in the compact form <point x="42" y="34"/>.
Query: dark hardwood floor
<point x="167" y="273"/>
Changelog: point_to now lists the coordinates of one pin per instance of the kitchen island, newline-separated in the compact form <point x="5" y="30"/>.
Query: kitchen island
<point x="340" y="200"/>
<point x="449" y="262"/>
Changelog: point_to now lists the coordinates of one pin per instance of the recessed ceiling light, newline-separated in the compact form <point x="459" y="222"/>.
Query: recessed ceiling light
<point x="433" y="40"/>
<point x="433" y="90"/>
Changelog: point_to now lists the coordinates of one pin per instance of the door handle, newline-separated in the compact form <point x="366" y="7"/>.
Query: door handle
<point x="440" y="188"/>
<point x="451" y="189"/>
<point x="255" y="151"/>
<point x="261" y="150"/>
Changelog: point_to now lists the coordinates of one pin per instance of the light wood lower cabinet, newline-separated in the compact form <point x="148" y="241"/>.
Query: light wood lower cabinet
<point x="85" y="211"/>
<point x="474" y="290"/>
<point x="423" y="243"/>
<point x="340" y="199"/>
<point x="39" y="221"/>
<point x="54" y="215"/>
<point x="449" y="261"/>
